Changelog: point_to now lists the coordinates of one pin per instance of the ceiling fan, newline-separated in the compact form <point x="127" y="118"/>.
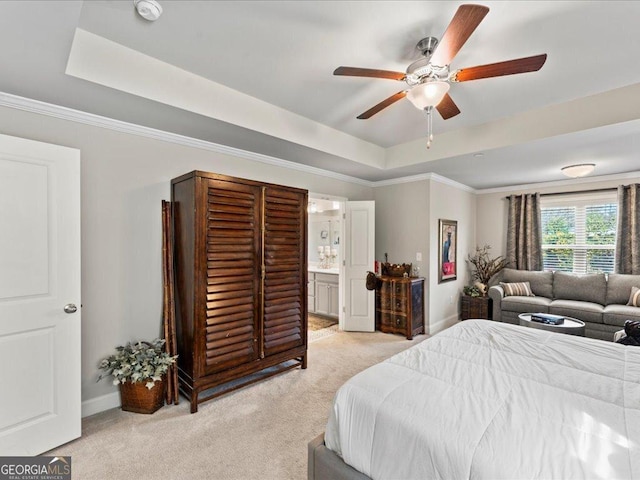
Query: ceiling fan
<point x="429" y="77"/>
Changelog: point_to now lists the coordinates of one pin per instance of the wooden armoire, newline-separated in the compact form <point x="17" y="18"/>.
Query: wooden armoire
<point x="240" y="281"/>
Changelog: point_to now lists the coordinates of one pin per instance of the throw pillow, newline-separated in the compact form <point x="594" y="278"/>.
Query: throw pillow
<point x="634" y="299"/>
<point x="521" y="289"/>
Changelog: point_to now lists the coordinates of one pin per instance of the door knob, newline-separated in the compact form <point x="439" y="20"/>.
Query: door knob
<point x="70" y="308"/>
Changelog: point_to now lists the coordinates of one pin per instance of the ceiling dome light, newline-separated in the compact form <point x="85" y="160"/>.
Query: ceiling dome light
<point x="148" y="9"/>
<point x="428" y="94"/>
<point x="575" y="171"/>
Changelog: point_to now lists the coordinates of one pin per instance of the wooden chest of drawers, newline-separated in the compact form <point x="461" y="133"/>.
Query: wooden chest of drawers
<point x="400" y="305"/>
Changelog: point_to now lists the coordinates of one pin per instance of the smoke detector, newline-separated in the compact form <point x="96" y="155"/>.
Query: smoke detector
<point x="148" y="9"/>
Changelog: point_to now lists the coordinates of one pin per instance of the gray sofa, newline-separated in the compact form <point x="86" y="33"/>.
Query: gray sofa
<point x="597" y="299"/>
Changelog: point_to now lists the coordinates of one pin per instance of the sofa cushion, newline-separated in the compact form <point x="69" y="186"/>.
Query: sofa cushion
<point x="587" y="288"/>
<point x="585" y="311"/>
<point x="526" y="304"/>
<point x="541" y="282"/>
<point x="521" y="289"/>
<point x="617" y="314"/>
<point x="634" y="298"/>
<point x="619" y="287"/>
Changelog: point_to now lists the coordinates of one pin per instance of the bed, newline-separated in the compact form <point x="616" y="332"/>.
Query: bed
<point x="488" y="400"/>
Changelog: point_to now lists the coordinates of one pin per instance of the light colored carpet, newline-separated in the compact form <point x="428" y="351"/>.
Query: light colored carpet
<point x="259" y="432"/>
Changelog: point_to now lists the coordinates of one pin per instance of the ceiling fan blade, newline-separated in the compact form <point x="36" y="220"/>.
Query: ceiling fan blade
<point x="447" y="108"/>
<point x="369" y="72"/>
<point x="510" y="67"/>
<point x="382" y="105"/>
<point x="463" y="24"/>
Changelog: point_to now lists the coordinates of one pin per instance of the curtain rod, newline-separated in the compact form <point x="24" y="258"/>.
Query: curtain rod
<point x="611" y="189"/>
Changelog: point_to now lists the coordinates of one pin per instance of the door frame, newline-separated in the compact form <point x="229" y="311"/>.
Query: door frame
<point x="341" y="250"/>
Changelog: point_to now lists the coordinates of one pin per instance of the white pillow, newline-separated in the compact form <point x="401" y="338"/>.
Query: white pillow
<point x="634" y="299"/>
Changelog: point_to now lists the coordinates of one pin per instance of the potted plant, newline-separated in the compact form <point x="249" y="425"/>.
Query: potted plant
<point x="484" y="267"/>
<point x="139" y="368"/>
<point x="472" y="291"/>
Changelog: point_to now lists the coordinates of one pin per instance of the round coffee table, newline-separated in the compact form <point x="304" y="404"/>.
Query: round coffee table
<point x="570" y="326"/>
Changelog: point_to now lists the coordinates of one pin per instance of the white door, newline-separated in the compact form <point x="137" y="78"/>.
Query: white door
<point x="39" y="276"/>
<point x="359" y="259"/>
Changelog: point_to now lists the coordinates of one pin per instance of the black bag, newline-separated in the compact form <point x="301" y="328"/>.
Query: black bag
<point x="372" y="281"/>
<point x="632" y="330"/>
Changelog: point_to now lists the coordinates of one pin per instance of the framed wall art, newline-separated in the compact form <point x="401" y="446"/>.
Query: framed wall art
<point x="448" y="243"/>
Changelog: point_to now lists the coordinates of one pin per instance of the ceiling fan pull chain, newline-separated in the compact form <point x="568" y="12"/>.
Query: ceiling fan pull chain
<point x="429" y="126"/>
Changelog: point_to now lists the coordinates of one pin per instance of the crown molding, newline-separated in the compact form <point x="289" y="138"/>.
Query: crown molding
<point x="421" y="177"/>
<point x="452" y="183"/>
<point x="78" y="116"/>
<point x="69" y="114"/>
<point x="396" y="181"/>
<point x="561" y="183"/>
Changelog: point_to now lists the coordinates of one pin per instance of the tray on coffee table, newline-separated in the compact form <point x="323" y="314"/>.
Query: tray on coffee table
<point x="570" y="326"/>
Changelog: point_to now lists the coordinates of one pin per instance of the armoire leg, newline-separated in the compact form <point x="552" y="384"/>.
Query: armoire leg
<point x="194" y="402"/>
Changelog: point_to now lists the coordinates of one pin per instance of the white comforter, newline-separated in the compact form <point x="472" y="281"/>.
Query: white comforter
<point x="488" y="400"/>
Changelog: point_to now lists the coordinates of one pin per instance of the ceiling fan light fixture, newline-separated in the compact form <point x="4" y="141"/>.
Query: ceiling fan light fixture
<point x="428" y="94"/>
<point x="580" y="170"/>
<point x="424" y="97"/>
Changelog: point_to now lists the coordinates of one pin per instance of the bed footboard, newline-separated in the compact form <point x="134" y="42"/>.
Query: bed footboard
<point x="323" y="464"/>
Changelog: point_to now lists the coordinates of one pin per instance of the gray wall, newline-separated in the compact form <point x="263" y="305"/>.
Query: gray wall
<point x="407" y="216"/>
<point x="124" y="177"/>
<point x="402" y="222"/>
<point x="450" y="203"/>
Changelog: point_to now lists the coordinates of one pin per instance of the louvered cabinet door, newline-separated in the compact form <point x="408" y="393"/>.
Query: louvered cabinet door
<point x="285" y="295"/>
<point x="233" y="237"/>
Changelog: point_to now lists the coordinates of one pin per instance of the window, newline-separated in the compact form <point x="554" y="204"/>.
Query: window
<point x="579" y="232"/>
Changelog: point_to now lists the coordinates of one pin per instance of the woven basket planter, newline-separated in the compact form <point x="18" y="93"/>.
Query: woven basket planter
<point x="136" y="397"/>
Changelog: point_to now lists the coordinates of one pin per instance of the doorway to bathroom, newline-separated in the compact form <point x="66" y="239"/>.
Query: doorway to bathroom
<point x="341" y="249"/>
<point x="325" y="256"/>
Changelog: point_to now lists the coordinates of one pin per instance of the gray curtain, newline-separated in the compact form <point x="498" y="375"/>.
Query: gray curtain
<point x="524" y="232"/>
<point x="628" y="238"/>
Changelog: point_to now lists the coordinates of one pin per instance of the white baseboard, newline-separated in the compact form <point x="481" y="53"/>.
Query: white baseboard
<point x="100" y="404"/>
<point x="443" y="324"/>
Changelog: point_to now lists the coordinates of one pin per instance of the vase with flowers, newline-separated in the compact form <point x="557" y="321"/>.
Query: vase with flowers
<point x="484" y="267"/>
